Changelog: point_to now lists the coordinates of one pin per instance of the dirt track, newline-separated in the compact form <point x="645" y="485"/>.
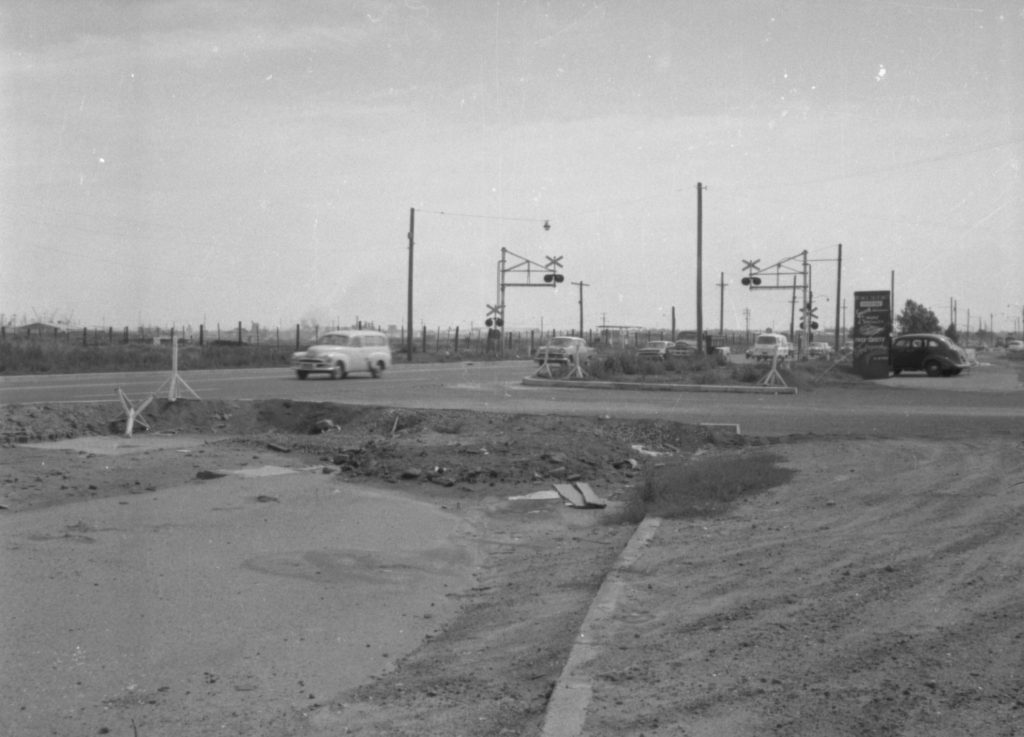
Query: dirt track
<point x="876" y="593"/>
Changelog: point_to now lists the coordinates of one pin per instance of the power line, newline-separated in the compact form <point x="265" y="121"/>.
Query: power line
<point x="486" y="217"/>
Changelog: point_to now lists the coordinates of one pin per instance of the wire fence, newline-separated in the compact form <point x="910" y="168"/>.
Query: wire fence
<point x="455" y="340"/>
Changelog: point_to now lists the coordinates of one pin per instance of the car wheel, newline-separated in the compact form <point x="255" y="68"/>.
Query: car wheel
<point x="956" y="372"/>
<point x="933" y="368"/>
<point x="376" y="369"/>
<point x="302" y="374"/>
<point x="897" y="371"/>
<point x="338" y="371"/>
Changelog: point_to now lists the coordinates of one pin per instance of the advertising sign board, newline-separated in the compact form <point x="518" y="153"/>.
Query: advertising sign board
<point x="872" y="333"/>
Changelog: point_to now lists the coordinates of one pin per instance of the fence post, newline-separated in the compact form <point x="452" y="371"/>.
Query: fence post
<point x="202" y="334"/>
<point x="297" y="337"/>
<point x="423" y="340"/>
<point x="239" y="332"/>
<point x="85" y="335"/>
<point x="456" y="338"/>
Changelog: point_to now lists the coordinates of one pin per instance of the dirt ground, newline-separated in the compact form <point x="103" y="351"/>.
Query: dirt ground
<point x="877" y="593"/>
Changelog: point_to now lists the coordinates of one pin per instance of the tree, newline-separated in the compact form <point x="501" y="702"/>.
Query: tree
<point x="917" y="318"/>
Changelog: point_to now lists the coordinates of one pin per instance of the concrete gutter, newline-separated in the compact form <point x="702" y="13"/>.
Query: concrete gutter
<point x="567" y="707"/>
<point x="656" y="387"/>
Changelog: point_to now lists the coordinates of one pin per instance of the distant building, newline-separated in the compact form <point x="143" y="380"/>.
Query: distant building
<point x="41" y="328"/>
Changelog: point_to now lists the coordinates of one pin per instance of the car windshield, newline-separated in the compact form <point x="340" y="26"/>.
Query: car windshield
<point x="765" y="339"/>
<point x="561" y="342"/>
<point x="334" y="340"/>
<point x="656" y="344"/>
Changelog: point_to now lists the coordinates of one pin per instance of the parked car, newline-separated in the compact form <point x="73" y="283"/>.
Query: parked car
<point x="564" y="349"/>
<point x="655" y="349"/>
<point x="682" y="348"/>
<point x="341" y="352"/>
<point x="1014" y="346"/>
<point x="767" y="345"/>
<point x="934" y="354"/>
<point x="819" y="350"/>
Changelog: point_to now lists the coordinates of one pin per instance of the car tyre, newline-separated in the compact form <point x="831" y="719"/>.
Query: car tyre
<point x="302" y="374"/>
<point x="933" y="368"/>
<point x="338" y="371"/>
<point x="376" y="369"/>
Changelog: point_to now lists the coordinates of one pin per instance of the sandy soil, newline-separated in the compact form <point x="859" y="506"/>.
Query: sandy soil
<point x="876" y="593"/>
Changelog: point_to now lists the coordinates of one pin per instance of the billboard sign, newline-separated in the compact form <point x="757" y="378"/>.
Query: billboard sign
<point x="872" y="333"/>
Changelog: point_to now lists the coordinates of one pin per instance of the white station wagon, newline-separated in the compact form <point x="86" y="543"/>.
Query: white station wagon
<point x="343" y="351"/>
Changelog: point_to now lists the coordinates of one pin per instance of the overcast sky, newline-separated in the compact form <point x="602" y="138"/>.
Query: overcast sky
<point x="177" y="163"/>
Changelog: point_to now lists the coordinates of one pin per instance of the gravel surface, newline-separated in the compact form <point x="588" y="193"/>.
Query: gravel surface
<point x="875" y="593"/>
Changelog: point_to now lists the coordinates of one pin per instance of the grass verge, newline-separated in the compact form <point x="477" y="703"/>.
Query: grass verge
<point x="703" y="488"/>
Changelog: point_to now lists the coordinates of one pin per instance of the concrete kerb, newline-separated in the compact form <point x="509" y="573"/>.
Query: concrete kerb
<point x="656" y="387"/>
<point x="567" y="707"/>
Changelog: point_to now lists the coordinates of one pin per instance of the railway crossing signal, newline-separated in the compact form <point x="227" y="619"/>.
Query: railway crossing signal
<point x="810" y="317"/>
<point x="750" y="280"/>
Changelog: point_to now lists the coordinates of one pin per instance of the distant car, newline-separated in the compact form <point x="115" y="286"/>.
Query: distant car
<point x="1014" y="346"/>
<point x="341" y="352"/>
<point x="932" y="353"/>
<point x="655" y="349"/>
<point x="819" y="350"/>
<point x="564" y="349"/>
<point x="682" y="348"/>
<point x="767" y="345"/>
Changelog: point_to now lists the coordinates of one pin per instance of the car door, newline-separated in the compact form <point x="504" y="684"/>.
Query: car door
<point x="908" y="354"/>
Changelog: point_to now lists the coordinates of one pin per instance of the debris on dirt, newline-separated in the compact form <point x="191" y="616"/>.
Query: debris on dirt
<point x="207" y="475"/>
<point x="536" y="496"/>
<point x="445" y="448"/>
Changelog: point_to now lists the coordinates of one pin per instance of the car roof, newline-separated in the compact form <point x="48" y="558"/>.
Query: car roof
<point x="352" y="332"/>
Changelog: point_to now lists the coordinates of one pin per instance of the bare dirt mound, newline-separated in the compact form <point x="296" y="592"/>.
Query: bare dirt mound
<point x="461" y="450"/>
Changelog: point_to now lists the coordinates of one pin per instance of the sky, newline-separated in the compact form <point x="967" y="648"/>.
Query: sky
<point x="187" y="162"/>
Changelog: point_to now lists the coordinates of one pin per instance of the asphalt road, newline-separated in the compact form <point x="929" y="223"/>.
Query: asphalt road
<point x="988" y="398"/>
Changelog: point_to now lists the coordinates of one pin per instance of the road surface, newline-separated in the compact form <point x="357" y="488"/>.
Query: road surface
<point x="988" y="397"/>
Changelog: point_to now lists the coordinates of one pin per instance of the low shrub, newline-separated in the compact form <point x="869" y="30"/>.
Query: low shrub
<point x="703" y="488"/>
<point x="30" y="357"/>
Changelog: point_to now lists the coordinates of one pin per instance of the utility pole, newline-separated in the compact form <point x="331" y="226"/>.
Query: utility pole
<point x="581" y="284"/>
<point x="792" y="314"/>
<point x="721" y="303"/>
<point x="839" y="284"/>
<point x="408" y="316"/>
<point x="700" y="257"/>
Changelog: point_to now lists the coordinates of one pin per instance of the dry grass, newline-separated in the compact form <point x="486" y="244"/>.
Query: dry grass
<point x="703" y="488"/>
